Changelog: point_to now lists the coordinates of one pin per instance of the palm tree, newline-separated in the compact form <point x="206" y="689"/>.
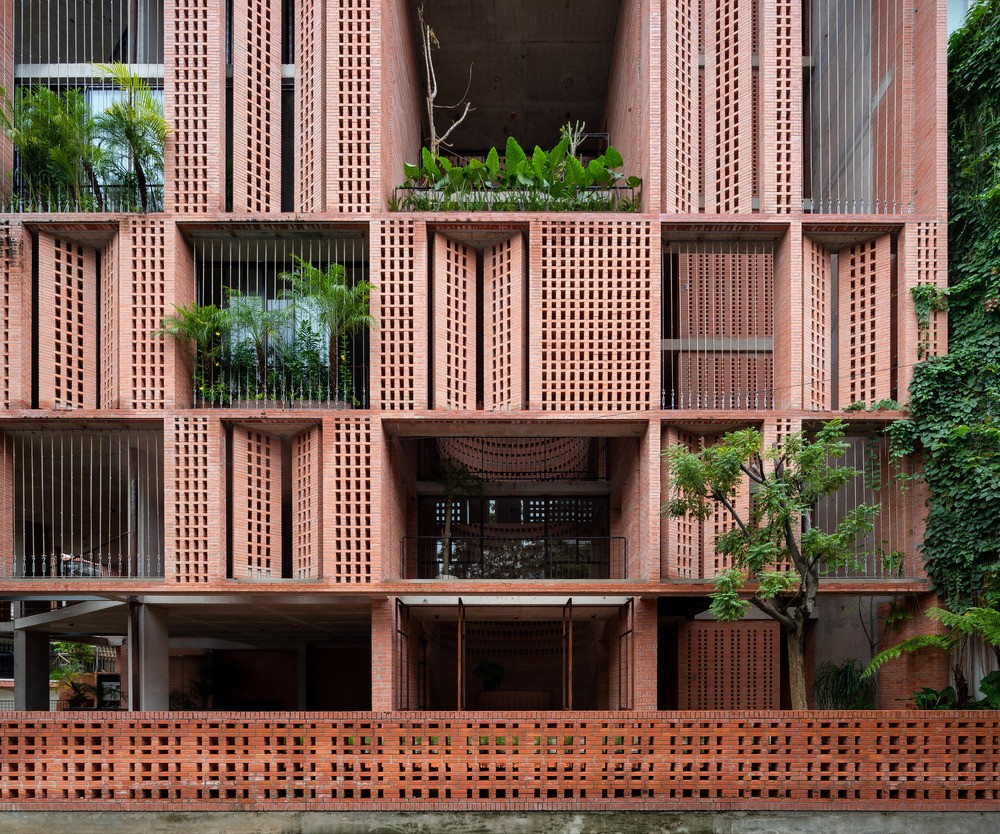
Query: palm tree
<point x="341" y="309"/>
<point x="133" y="129"/>
<point x="251" y="318"/>
<point x="205" y="329"/>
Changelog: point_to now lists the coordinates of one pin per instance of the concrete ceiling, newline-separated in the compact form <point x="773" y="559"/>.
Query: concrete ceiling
<point x="535" y="66"/>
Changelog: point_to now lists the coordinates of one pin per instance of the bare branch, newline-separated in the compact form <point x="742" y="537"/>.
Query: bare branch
<point x="429" y="41"/>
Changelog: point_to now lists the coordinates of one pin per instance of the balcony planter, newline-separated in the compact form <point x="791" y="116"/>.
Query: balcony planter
<point x="546" y="181"/>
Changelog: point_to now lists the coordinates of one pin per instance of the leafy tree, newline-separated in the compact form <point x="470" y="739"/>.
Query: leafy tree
<point x="785" y="482"/>
<point x="341" y="308"/>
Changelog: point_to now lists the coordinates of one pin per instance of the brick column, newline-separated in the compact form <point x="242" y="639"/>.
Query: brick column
<point x="383" y="640"/>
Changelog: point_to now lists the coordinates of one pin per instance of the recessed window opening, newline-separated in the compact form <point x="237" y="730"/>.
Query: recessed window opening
<point x="87" y="503"/>
<point x="274" y="346"/>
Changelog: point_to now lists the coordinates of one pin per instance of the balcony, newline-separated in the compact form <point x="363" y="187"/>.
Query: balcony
<point x="87" y="503"/>
<point x="541" y="557"/>
<point x="86" y="138"/>
<point x="261" y="334"/>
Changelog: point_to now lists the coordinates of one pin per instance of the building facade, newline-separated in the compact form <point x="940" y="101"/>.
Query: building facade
<point x="372" y="529"/>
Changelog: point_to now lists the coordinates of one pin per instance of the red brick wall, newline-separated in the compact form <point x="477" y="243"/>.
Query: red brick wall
<point x="644" y="761"/>
<point x="817" y="308"/>
<point x="257" y="106"/>
<point x="401" y="95"/>
<point x="454" y="324"/>
<point x="899" y="679"/>
<point x="627" y="109"/>
<point x="67" y="324"/>
<point x="194" y="105"/>
<point x="781" y="134"/>
<point x="310" y="107"/>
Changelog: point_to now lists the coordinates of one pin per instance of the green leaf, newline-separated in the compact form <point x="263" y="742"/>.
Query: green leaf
<point x="411" y="172"/>
<point x="493" y="163"/>
<point x="515" y="155"/>
<point x="613" y="159"/>
<point x="431" y="169"/>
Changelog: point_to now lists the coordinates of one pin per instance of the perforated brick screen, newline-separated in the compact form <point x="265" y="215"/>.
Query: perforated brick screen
<point x="145" y="312"/>
<point x="193" y="495"/>
<point x="307" y="477"/>
<point x="194" y="84"/>
<point x="865" y="339"/>
<point x="67" y="324"/>
<point x="256" y="520"/>
<point x="504" y="368"/>
<point x="347" y="519"/>
<point x="595" y="760"/>
<point x="455" y="304"/>
<point x="257" y="106"/>
<point x="817" y="345"/>
<point x="591" y="326"/>
<point x="729" y="665"/>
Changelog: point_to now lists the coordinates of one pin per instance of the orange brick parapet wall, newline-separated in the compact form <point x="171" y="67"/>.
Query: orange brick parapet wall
<point x="502" y="761"/>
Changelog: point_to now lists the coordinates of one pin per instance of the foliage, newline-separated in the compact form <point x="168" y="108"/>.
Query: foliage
<point x="927" y="299"/>
<point x="134" y="131"/>
<point x="71" y="159"/>
<point x="255" y="322"/>
<point x="55" y="139"/>
<point x="955" y="399"/>
<point x="491" y="673"/>
<point x="75" y="659"/>
<point x="785" y="483"/>
<point x="202" y="330"/>
<point x="981" y="622"/>
<point x="841" y="686"/>
<point x="554" y="180"/>
<point x="340" y="307"/>
<point x="948" y="698"/>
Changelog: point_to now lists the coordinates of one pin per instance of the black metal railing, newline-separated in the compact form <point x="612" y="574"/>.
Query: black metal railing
<point x="535" y="557"/>
<point x="283" y="387"/>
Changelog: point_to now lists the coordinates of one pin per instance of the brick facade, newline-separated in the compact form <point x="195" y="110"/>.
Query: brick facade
<point x="760" y="283"/>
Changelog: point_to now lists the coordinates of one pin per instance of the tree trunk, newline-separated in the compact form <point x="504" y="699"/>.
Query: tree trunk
<point x="446" y="539"/>
<point x="334" y="373"/>
<point x="796" y="655"/>
<point x="140" y="181"/>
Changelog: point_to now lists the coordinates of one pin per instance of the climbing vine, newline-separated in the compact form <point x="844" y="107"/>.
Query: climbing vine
<point x="955" y="399"/>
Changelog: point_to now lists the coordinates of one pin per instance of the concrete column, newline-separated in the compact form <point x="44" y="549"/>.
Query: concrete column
<point x="148" y="670"/>
<point x="31" y="670"/>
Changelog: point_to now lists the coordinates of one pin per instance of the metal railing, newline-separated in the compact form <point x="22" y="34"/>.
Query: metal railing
<point x="535" y="557"/>
<point x="285" y="388"/>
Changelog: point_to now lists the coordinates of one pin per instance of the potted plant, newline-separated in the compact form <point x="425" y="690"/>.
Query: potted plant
<point x="490" y="673"/>
<point x="202" y="331"/>
<point x="340" y="309"/>
<point x="304" y="372"/>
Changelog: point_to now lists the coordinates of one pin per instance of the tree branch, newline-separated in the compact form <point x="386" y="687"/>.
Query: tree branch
<point x="721" y="498"/>
<point x="772" y="612"/>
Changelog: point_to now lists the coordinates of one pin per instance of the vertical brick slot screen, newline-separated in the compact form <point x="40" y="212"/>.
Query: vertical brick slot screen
<point x="865" y="336"/>
<point x="729" y="106"/>
<point x="147" y="309"/>
<point x="257" y="107"/>
<point x="399" y="274"/>
<point x="194" y="108"/>
<point x="816" y="332"/>
<point x="729" y="665"/>
<point x="591" y="329"/>
<point x="347" y="521"/>
<point x="110" y="324"/>
<point x="256" y="505"/>
<point x="680" y="107"/>
<point x="454" y="324"/>
<point x="67" y="324"/>
<point x="503" y="330"/>
<point x="307" y="475"/>
<point x="611" y="761"/>
<point x="781" y="140"/>
<point x="10" y="291"/>
<point x="352" y="118"/>
<point x="310" y="107"/>
<point x="194" y="498"/>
